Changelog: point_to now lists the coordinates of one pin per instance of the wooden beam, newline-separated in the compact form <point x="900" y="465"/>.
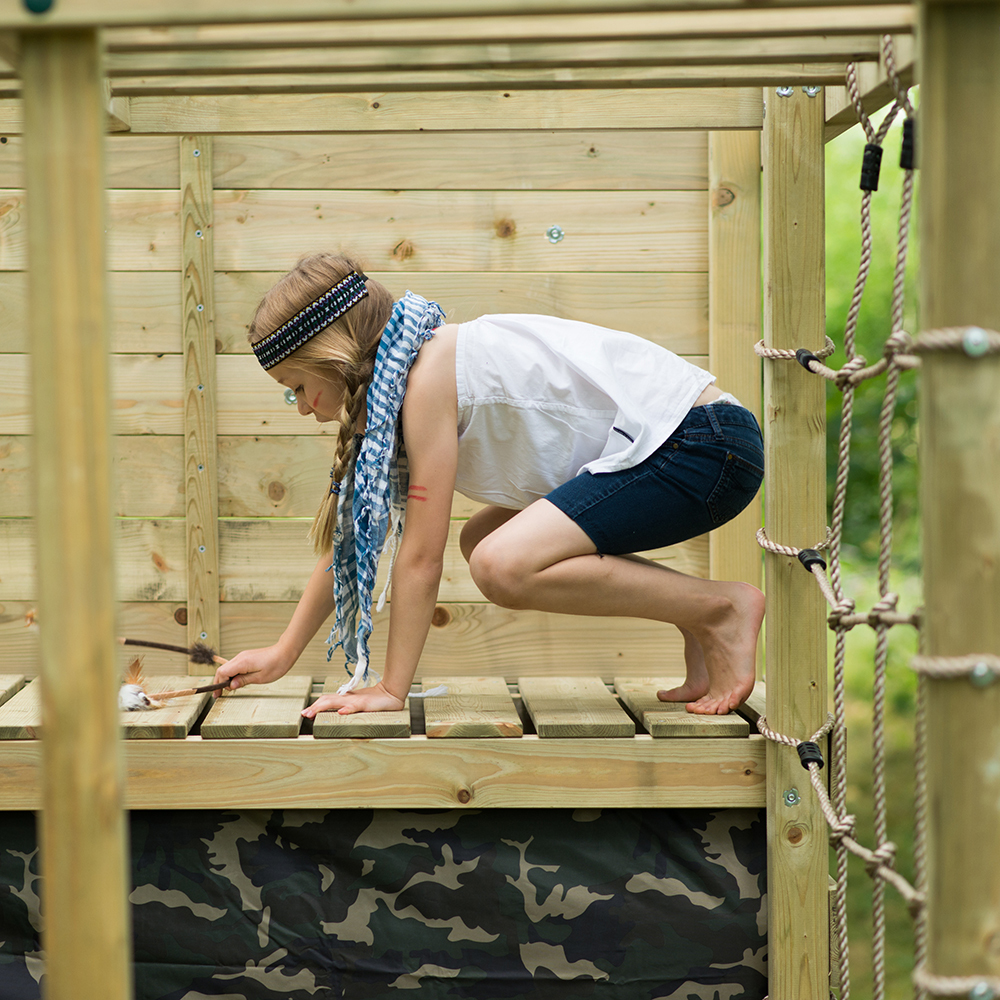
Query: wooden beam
<point x="419" y="773"/>
<point x="734" y="319"/>
<point x="876" y="91"/>
<point x="959" y="138"/>
<point x="165" y="12"/>
<point x="10" y="48"/>
<point x="759" y="22"/>
<point x="795" y="515"/>
<point x="82" y="830"/>
<point x="201" y="487"/>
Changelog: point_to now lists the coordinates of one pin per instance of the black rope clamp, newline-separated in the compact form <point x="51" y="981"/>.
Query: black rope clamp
<point x="803" y="355"/>
<point x="907" y="151"/>
<point x="870" y="166"/>
<point x="810" y="753"/>
<point x="810" y="558"/>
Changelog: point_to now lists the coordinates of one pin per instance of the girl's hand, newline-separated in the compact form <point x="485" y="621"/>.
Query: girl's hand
<point x="369" y="699"/>
<point x="253" y="666"/>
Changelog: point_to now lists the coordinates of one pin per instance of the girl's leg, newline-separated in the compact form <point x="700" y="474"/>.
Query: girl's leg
<point x="480" y="525"/>
<point x="539" y="558"/>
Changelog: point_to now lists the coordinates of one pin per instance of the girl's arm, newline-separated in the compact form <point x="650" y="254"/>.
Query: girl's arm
<point x="261" y="666"/>
<point x="430" y="428"/>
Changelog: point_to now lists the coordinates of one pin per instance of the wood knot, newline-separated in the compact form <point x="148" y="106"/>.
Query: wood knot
<point x="181" y="616"/>
<point x="403" y="250"/>
<point x="464" y="796"/>
<point x="795" y="835"/>
<point x="440" y="617"/>
<point x="722" y="197"/>
<point x="159" y="562"/>
<point x="276" y="491"/>
<point x="505" y="228"/>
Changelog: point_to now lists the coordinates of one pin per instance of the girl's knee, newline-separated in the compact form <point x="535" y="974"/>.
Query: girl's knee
<point x="499" y="575"/>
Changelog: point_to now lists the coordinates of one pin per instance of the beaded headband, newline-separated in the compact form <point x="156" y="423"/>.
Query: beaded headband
<point x="310" y="320"/>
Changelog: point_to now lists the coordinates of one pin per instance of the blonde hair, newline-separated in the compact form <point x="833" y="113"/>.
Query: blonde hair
<point x="344" y="350"/>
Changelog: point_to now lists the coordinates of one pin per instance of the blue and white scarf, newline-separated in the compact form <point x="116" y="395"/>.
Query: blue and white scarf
<point x="374" y="490"/>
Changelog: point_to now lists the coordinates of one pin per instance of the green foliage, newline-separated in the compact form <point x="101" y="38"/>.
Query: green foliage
<point x="843" y="251"/>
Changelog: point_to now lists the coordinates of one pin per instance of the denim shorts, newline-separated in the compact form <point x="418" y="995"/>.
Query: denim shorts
<point x="703" y="475"/>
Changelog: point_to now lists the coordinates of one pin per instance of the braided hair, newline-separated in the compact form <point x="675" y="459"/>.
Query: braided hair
<point x="344" y="351"/>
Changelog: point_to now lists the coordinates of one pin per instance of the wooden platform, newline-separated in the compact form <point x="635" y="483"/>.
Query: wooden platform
<point x="570" y="742"/>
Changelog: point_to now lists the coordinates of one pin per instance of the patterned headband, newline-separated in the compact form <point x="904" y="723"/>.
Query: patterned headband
<point x="309" y="321"/>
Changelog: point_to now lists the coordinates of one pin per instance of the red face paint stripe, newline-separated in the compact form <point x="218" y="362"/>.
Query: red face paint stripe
<point x="410" y="496"/>
<point x="421" y="488"/>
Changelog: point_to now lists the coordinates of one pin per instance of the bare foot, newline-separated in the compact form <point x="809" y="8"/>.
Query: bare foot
<point x="729" y="645"/>
<point x="696" y="682"/>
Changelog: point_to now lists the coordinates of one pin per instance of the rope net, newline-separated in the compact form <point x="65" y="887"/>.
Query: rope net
<point x="900" y="354"/>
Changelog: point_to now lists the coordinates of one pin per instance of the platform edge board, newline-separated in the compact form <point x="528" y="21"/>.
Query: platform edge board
<point x="419" y="773"/>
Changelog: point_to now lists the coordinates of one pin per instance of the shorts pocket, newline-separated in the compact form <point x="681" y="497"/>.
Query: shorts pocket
<point x="736" y="487"/>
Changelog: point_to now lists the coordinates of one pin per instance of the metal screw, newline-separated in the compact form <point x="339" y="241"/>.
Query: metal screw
<point x="201" y="548"/>
<point x="792" y="797"/>
<point x="38" y="6"/>
<point x="982" y="675"/>
<point x="204" y="635"/>
<point x="976" y="342"/>
<point x="201" y="468"/>
<point x="201" y="388"/>
<point x="290" y="397"/>
<point x="982" y="991"/>
<point x="555" y="234"/>
<point x="196" y="152"/>
<point x="785" y="91"/>
<point x="201" y="308"/>
<point x="811" y="91"/>
<point x="197" y="233"/>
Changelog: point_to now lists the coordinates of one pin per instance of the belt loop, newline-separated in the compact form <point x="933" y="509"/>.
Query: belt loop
<point x="713" y="420"/>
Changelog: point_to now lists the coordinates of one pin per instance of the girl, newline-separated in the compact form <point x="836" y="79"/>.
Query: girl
<point x="586" y="444"/>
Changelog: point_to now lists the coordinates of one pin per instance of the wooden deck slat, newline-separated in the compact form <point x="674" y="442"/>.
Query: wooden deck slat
<point x="269" y="711"/>
<point x="21" y="715"/>
<point x="574" y="707"/>
<point x="661" y="718"/>
<point x="475" y="707"/>
<point x="360" y="725"/>
<point x="174" y="720"/>
<point x="10" y="684"/>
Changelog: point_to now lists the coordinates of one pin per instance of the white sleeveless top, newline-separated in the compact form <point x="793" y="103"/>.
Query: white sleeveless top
<point x="541" y="400"/>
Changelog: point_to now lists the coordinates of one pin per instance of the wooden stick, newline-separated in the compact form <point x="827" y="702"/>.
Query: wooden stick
<point x="180" y="692"/>
<point x="198" y="652"/>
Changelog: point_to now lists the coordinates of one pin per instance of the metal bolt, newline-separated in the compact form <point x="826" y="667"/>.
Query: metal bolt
<point x="290" y="397"/>
<point x="201" y="548"/>
<point x="555" y="234"/>
<point x="792" y="797"/>
<point x="38" y="6"/>
<point x="785" y="91"/>
<point x="201" y="388"/>
<point x="196" y="152"/>
<point x="976" y="342"/>
<point x="201" y="308"/>
<point x="197" y="233"/>
<point x="201" y="468"/>
<point x="204" y="635"/>
<point x="811" y="91"/>
<point x="982" y="991"/>
<point x="982" y="675"/>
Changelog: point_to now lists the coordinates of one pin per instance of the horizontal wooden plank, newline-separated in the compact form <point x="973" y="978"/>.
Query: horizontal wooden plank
<point x="173" y="720"/>
<point x="669" y="308"/>
<point x="21" y="715"/>
<point x="130" y="162"/>
<point x="670" y="108"/>
<point x="259" y="711"/>
<point x="147" y="393"/>
<point x="514" y="80"/>
<point x="733" y="22"/>
<point x="10" y="684"/>
<point x="360" y="725"/>
<point x="671" y="719"/>
<point x="472" y="707"/>
<point x="573" y="708"/>
<point x="166" y="12"/>
<point x="466" y="230"/>
<point x="418" y="774"/>
<point x="406" y="161"/>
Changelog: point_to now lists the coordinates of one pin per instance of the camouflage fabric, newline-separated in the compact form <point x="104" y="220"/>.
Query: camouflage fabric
<point x="315" y="905"/>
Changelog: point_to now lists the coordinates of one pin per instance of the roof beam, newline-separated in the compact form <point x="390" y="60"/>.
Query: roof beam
<point x="87" y="13"/>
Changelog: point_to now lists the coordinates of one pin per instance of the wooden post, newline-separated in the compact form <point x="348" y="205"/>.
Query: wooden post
<point x="795" y="512"/>
<point x="198" y="334"/>
<point x="959" y="137"/>
<point x="82" y="831"/>
<point x="734" y="318"/>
